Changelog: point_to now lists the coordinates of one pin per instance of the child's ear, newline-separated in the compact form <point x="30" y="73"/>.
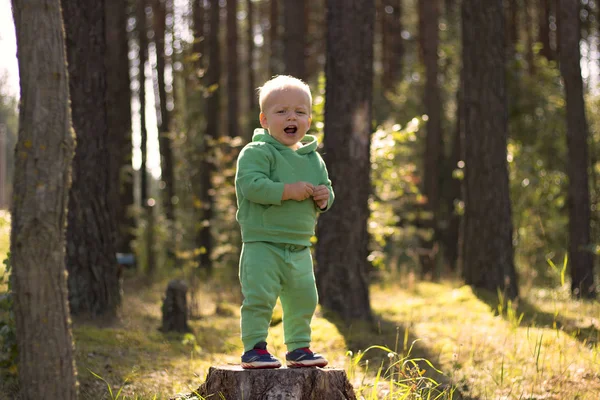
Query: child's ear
<point x="263" y="120"/>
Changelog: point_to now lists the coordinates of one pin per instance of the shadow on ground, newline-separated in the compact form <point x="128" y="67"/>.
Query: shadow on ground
<point x="360" y="335"/>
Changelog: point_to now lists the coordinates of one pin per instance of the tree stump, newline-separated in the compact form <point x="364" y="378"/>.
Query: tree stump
<point x="235" y="383"/>
<point x="174" y="308"/>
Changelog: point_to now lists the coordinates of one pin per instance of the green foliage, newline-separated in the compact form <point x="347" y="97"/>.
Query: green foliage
<point x="8" y="336"/>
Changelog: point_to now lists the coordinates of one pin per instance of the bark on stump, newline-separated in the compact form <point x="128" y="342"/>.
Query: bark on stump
<point x="174" y="309"/>
<point x="235" y="383"/>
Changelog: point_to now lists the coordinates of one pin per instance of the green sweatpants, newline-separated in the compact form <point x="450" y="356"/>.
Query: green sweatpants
<point x="269" y="271"/>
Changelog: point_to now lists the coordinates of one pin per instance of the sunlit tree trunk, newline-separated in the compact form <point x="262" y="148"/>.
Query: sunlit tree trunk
<point x="580" y="256"/>
<point x="342" y="248"/>
<point x="429" y="42"/>
<point x="250" y="70"/>
<point x="488" y="250"/>
<point x="294" y="38"/>
<point x="119" y="121"/>
<point x="142" y="33"/>
<point x="44" y="152"/>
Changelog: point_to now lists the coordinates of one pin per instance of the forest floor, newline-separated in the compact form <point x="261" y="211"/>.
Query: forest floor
<point x="545" y="347"/>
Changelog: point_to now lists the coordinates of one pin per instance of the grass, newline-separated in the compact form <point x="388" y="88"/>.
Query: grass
<point x="543" y="347"/>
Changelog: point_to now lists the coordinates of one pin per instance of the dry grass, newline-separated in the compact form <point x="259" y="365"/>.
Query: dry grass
<point x="545" y="347"/>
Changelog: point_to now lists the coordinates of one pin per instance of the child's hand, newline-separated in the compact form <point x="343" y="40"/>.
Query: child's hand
<point x="297" y="191"/>
<point x="321" y="196"/>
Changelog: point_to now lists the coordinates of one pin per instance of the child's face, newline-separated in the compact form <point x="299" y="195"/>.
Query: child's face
<point x="287" y="116"/>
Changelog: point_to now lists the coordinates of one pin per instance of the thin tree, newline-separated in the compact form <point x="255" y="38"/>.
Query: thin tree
<point x="392" y="43"/>
<point x="142" y="33"/>
<point x="274" y="44"/>
<point x="232" y="70"/>
<point x="119" y="121"/>
<point x="488" y="251"/>
<point x="252" y="106"/>
<point x="213" y="77"/>
<point x="581" y="261"/>
<point x="429" y="43"/>
<point x="294" y="38"/>
<point x="342" y="249"/>
<point x="544" y="13"/>
<point x="94" y="287"/>
<point x="44" y="151"/>
<point x="167" y="162"/>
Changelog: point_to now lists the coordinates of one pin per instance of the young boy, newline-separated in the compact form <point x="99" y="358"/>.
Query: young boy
<point x="281" y="184"/>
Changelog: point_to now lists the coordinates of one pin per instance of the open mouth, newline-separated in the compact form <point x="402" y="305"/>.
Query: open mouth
<point x="290" y="130"/>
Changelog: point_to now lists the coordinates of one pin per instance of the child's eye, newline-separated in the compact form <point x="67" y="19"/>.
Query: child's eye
<point x="300" y="112"/>
<point x="281" y="112"/>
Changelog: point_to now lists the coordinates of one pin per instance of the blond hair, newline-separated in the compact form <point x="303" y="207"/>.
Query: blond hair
<point x="281" y="82"/>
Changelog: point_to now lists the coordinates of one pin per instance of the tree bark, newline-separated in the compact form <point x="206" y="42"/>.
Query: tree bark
<point x="213" y="77"/>
<point x="91" y="257"/>
<point x="342" y="248"/>
<point x="294" y="38"/>
<point x="142" y="32"/>
<point x="488" y="250"/>
<point x="580" y="256"/>
<point x="544" y="13"/>
<point x="232" y="70"/>
<point x="167" y="162"/>
<point x="119" y="121"/>
<point x="44" y="153"/>
<point x="274" y="44"/>
<point x="392" y="43"/>
<point x="250" y="70"/>
<point x="234" y="383"/>
<point x="429" y="35"/>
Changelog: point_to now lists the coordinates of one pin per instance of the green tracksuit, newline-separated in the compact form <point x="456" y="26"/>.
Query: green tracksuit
<point x="276" y="260"/>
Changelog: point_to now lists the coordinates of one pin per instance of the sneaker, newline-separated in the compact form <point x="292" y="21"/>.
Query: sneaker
<point x="304" y="358"/>
<point x="259" y="357"/>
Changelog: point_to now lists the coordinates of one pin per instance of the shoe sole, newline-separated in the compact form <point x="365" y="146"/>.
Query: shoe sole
<point x="261" y="365"/>
<point x="306" y="364"/>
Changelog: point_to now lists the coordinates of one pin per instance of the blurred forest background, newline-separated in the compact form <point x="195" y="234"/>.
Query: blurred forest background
<point x="462" y="139"/>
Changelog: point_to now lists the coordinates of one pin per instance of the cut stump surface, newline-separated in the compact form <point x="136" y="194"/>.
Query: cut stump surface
<point x="235" y="383"/>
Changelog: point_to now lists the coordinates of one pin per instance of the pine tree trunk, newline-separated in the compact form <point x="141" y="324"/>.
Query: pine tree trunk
<point x="44" y="152"/>
<point x="488" y="250"/>
<point x="167" y="163"/>
<point x="580" y="256"/>
<point x="294" y="38"/>
<point x="234" y="383"/>
<point x="429" y="35"/>
<point x="232" y="70"/>
<point x="274" y="38"/>
<point x="91" y="234"/>
<point x="250" y="71"/>
<point x="142" y="32"/>
<point x="392" y="44"/>
<point x="119" y="121"/>
<point x="544" y="12"/>
<point x="342" y="248"/>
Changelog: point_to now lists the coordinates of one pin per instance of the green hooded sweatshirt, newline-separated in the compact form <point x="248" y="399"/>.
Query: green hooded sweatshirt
<point x="263" y="167"/>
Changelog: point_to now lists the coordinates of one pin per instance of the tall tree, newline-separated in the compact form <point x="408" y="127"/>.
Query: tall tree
<point x="429" y="43"/>
<point x="213" y="84"/>
<point x="91" y="261"/>
<point x="232" y="70"/>
<point x="142" y="33"/>
<point x="294" y="38"/>
<point x="42" y="178"/>
<point x="342" y="248"/>
<point x="119" y="121"/>
<point x="391" y="43"/>
<point x="544" y="14"/>
<point x="167" y="162"/>
<point x="274" y="44"/>
<point x="582" y="263"/>
<point x="488" y="251"/>
<point x="252" y="104"/>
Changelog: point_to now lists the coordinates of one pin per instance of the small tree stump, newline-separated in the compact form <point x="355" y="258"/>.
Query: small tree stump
<point x="174" y="308"/>
<point x="235" y="383"/>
